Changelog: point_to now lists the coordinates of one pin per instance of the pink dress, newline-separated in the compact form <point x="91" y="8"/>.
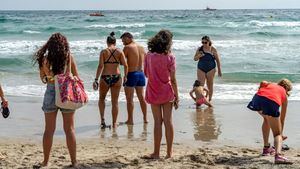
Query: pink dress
<point x="158" y="68"/>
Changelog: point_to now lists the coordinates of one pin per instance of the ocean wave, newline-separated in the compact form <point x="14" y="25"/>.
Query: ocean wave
<point x="259" y="76"/>
<point x="133" y="25"/>
<point x="231" y="91"/>
<point x="257" y="23"/>
<point x="272" y="34"/>
<point x="31" y="32"/>
<point x="94" y="46"/>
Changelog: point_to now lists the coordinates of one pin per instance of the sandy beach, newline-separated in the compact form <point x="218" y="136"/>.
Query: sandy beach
<point x="227" y="136"/>
<point x="112" y="153"/>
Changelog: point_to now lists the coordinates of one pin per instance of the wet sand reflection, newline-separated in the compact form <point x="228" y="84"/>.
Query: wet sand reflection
<point x="205" y="126"/>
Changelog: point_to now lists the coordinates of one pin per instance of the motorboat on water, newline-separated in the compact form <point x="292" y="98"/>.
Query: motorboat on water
<point x="96" y="14"/>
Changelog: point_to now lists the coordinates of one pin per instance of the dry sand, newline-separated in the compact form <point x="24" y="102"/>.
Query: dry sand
<point x="114" y="154"/>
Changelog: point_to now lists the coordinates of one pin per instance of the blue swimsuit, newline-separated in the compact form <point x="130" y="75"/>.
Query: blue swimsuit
<point x="207" y="62"/>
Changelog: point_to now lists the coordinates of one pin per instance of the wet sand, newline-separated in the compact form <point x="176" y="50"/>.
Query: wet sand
<point x="228" y="136"/>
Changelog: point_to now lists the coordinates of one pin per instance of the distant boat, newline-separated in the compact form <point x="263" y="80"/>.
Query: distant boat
<point x="210" y="9"/>
<point x="96" y="14"/>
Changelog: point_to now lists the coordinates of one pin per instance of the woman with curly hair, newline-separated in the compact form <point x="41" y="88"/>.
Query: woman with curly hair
<point x="53" y="59"/>
<point x="161" y="90"/>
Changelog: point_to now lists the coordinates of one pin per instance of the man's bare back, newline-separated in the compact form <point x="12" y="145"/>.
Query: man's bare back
<point x="134" y="54"/>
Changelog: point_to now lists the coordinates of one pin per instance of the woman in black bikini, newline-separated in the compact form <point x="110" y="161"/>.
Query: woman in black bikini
<point x="208" y="58"/>
<point x="108" y="68"/>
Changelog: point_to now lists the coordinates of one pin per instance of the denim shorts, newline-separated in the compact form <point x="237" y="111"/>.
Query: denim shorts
<point x="49" y="101"/>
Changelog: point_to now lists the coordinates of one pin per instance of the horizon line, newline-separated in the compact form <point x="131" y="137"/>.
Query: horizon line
<point x="145" y="9"/>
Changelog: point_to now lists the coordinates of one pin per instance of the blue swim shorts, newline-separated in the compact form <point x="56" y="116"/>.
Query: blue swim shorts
<point x="135" y="79"/>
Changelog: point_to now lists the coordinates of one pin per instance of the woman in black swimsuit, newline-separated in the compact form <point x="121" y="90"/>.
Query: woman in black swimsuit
<point x="108" y="68"/>
<point x="208" y="58"/>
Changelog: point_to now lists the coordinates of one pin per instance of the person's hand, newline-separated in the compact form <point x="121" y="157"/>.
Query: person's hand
<point x="4" y="103"/>
<point x="95" y="85"/>
<point x="124" y="79"/>
<point x="219" y="73"/>
<point x="176" y="103"/>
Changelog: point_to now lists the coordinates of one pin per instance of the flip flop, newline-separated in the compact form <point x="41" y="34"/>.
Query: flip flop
<point x="285" y="147"/>
<point x="5" y="111"/>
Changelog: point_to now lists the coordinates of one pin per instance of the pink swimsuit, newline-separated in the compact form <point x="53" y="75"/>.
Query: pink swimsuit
<point x="200" y="101"/>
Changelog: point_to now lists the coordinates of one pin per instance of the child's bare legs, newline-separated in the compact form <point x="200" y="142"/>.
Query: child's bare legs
<point x="266" y="132"/>
<point x="275" y="125"/>
<point x="207" y="102"/>
<point x="157" y="115"/>
<point x="169" y="130"/>
<point x="282" y="119"/>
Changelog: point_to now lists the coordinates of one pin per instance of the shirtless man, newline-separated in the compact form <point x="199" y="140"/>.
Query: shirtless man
<point x="134" y="54"/>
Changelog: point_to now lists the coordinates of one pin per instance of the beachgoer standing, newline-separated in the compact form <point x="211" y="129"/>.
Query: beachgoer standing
<point x="134" y="54"/>
<point x="161" y="90"/>
<point x="53" y="58"/>
<point x="208" y="58"/>
<point x="109" y="71"/>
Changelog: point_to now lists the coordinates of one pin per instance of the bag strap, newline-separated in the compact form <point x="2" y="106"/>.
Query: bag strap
<point x="68" y="66"/>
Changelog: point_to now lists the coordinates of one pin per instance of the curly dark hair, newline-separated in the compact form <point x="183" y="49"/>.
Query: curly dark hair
<point x="161" y="42"/>
<point x="56" y="51"/>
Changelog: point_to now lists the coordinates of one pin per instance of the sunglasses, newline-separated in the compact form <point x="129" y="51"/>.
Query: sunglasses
<point x="204" y="42"/>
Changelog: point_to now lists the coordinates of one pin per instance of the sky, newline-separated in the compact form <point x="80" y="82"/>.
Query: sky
<point x="145" y="4"/>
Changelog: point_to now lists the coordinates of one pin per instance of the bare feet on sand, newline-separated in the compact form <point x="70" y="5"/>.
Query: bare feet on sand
<point x="129" y="122"/>
<point x="151" y="157"/>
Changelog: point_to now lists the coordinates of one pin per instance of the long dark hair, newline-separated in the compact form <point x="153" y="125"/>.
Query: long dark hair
<point x="161" y="42"/>
<point x="56" y="51"/>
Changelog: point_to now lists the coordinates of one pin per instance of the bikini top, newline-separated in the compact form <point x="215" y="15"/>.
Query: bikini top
<point x="207" y="56"/>
<point x="112" y="55"/>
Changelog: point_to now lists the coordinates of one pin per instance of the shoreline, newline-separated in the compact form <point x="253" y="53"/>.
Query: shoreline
<point x="228" y="122"/>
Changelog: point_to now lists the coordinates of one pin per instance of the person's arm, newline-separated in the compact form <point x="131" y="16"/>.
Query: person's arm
<point x="263" y="84"/>
<point x="1" y="93"/>
<point x="198" y="55"/>
<point x="206" y="91"/>
<point x="74" y="69"/>
<point x="217" y="57"/>
<point x="44" y="71"/>
<point x="125" y="51"/>
<point x="3" y="100"/>
<point x="191" y="94"/>
<point x="145" y="66"/>
<point x="174" y="87"/>
<point x="283" y="113"/>
<point x="99" y="70"/>
<point x="124" y="63"/>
